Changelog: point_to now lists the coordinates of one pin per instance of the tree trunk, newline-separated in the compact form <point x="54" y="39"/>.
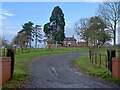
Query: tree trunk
<point x="114" y="32"/>
<point x="36" y="42"/>
<point x="87" y="42"/>
<point x="30" y="43"/>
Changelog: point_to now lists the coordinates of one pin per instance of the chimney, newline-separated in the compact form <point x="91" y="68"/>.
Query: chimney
<point x="73" y="36"/>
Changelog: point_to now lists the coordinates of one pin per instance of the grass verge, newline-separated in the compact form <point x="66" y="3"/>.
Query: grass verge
<point x="84" y="65"/>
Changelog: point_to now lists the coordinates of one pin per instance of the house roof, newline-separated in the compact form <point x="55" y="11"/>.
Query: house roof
<point x="107" y="44"/>
<point x="69" y="39"/>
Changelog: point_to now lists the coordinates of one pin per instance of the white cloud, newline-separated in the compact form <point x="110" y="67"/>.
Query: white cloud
<point x="4" y="13"/>
<point x="7" y="14"/>
<point x="2" y="17"/>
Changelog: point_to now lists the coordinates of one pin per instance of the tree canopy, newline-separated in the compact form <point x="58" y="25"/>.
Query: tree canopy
<point x="93" y="31"/>
<point x="27" y="30"/>
<point x="28" y="34"/>
<point x="55" y="28"/>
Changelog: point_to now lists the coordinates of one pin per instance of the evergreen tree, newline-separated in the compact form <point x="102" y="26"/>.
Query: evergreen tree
<point x="27" y="29"/>
<point x="55" y="28"/>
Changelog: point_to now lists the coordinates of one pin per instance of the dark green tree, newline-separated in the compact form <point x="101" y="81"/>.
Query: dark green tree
<point x="47" y="30"/>
<point x="27" y="29"/>
<point x="55" y="28"/>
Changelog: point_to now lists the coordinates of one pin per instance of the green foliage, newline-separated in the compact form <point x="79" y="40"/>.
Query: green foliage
<point x="28" y="34"/>
<point x="93" y="31"/>
<point x="27" y="29"/>
<point x="98" y="26"/>
<point x="47" y="30"/>
<point x="55" y="28"/>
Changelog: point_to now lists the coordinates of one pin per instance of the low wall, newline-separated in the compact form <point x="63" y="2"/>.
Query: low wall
<point x="5" y="69"/>
<point x="116" y="67"/>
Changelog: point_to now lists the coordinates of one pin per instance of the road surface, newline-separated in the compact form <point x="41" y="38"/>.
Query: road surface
<point x="57" y="71"/>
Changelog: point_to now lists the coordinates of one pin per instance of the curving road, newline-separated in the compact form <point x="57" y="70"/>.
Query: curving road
<point x="57" y="71"/>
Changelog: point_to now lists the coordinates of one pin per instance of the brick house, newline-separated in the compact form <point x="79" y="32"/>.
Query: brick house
<point x="81" y="44"/>
<point x="69" y="42"/>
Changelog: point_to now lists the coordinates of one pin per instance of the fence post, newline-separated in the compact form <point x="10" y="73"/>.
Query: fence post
<point x="92" y="59"/>
<point x="95" y="58"/>
<point x="100" y="58"/>
<point x="10" y="53"/>
<point x="106" y="61"/>
<point x="90" y="54"/>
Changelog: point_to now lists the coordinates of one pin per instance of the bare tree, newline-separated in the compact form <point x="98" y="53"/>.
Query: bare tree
<point x="4" y="42"/>
<point x="110" y="12"/>
<point x="81" y="29"/>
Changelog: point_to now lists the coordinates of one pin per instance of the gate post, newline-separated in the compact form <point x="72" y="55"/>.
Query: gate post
<point x="110" y="54"/>
<point x="10" y="53"/>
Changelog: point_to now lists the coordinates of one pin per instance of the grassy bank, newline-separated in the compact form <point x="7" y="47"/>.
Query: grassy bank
<point x="23" y="59"/>
<point x="84" y="65"/>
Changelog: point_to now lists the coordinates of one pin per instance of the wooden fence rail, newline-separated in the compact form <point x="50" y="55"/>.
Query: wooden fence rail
<point x="98" y="58"/>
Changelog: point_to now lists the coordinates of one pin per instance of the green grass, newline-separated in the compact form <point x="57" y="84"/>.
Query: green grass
<point x="118" y="53"/>
<point x="22" y="60"/>
<point x="84" y="65"/>
<point x="2" y="52"/>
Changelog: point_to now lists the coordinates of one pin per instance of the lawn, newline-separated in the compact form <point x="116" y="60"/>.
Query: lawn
<point x="22" y="60"/>
<point x="85" y="66"/>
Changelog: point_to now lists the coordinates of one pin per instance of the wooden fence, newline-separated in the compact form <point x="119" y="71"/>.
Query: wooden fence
<point x="98" y="58"/>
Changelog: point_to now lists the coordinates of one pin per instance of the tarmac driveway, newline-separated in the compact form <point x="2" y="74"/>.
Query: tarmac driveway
<point x="57" y="71"/>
